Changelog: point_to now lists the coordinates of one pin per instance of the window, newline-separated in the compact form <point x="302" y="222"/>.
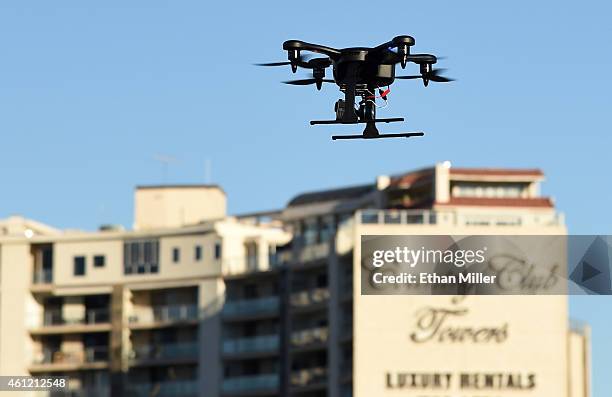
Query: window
<point x="140" y="256"/>
<point x="198" y="253"/>
<point x="490" y="189"/>
<point x="176" y="255"/>
<point x="311" y="231"/>
<point x="79" y="265"/>
<point x="99" y="261"/>
<point x="217" y="250"/>
<point x="327" y="228"/>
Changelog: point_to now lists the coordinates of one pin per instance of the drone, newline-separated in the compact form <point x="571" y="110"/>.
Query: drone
<point x="360" y="72"/>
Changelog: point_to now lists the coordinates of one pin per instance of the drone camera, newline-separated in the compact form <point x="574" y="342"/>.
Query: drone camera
<point x="367" y="110"/>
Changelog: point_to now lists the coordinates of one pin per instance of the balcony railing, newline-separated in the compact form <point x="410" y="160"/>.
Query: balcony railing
<point x="42" y="276"/>
<point x="309" y="376"/>
<point x="268" y="304"/>
<point x="87" y="355"/>
<point x="56" y="317"/>
<point x="309" y="336"/>
<point x="456" y="218"/>
<point x="165" y="351"/>
<point x="309" y="297"/>
<point x="256" y="344"/>
<point x="250" y="383"/>
<point x="313" y="252"/>
<point x="165" y="314"/>
<point x="178" y="388"/>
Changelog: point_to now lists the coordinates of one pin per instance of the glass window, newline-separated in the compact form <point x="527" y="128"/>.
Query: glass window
<point x="176" y="255"/>
<point x="198" y="253"/>
<point x="217" y="250"/>
<point x="140" y="256"/>
<point x="490" y="190"/>
<point x="99" y="260"/>
<point x="311" y="231"/>
<point x="79" y="265"/>
<point x="327" y="227"/>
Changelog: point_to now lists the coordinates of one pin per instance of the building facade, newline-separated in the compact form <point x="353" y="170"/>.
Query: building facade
<point x="193" y="302"/>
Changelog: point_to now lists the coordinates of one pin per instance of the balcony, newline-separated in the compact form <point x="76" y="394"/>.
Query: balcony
<point x="95" y="357"/>
<point x="42" y="276"/>
<point x="165" y="352"/>
<point x="251" y="308"/>
<point x="310" y="337"/>
<point x="253" y="345"/>
<point x="309" y="297"/>
<point x="310" y="377"/>
<point x="163" y="316"/>
<point x="313" y="252"/>
<point x="458" y="218"/>
<point x="56" y="321"/>
<point x="250" y="383"/>
<point x="178" y="388"/>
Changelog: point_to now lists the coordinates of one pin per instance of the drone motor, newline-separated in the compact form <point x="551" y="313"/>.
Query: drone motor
<point x="339" y="109"/>
<point x="294" y="56"/>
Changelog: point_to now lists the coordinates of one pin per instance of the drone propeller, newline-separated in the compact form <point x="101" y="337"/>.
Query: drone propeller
<point x="304" y="58"/>
<point x="273" y="64"/>
<point x="434" y="75"/>
<point x="318" y="82"/>
<point x="307" y="81"/>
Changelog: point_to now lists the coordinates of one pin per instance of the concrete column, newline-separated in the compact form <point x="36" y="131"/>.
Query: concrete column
<point x="210" y="301"/>
<point x="116" y="345"/>
<point x="442" y="183"/>
<point x="15" y="299"/>
<point x="334" y="318"/>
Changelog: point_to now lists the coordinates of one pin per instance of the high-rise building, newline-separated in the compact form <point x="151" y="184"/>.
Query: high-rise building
<point x="193" y="302"/>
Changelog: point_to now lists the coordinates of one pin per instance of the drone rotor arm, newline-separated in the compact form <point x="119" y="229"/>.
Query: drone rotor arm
<point x="297" y="45"/>
<point x="422" y="59"/>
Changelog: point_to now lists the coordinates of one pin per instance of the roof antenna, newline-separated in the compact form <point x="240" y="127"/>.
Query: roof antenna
<point x="165" y="161"/>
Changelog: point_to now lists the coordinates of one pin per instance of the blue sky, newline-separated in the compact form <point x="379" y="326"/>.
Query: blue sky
<point x="90" y="94"/>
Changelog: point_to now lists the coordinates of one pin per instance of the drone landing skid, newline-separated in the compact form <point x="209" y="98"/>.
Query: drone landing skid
<point x="371" y="132"/>
<point x="399" y="135"/>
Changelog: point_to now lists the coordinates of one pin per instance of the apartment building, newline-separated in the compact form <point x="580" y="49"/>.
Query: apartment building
<point x="126" y="312"/>
<point x="193" y="302"/>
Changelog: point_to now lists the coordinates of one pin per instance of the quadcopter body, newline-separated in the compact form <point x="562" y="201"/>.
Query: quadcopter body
<point x="360" y="72"/>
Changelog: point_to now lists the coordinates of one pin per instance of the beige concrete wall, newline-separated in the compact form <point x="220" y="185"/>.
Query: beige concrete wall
<point x="188" y="266"/>
<point x="16" y="349"/>
<point x="63" y="262"/>
<point x="579" y="363"/>
<point x="112" y="272"/>
<point x="168" y="207"/>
